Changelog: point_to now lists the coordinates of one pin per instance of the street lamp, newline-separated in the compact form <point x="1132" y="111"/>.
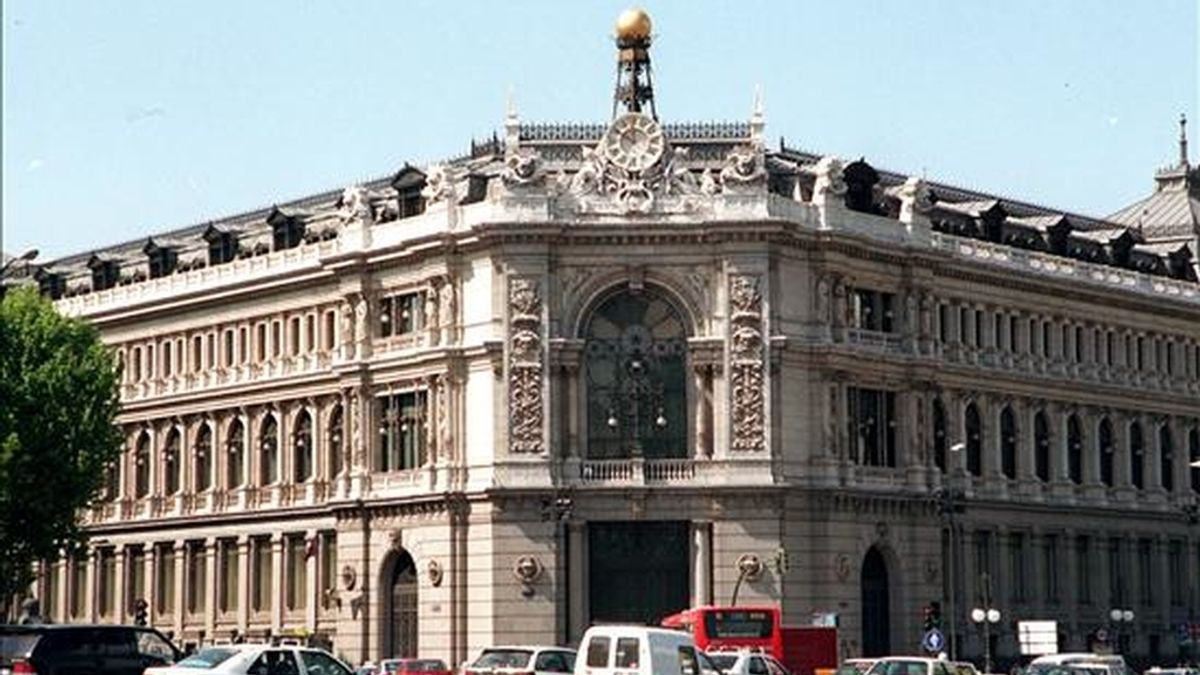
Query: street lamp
<point x="4" y="269"/>
<point x="1120" y="617"/>
<point x="951" y="501"/>
<point x="985" y="617"/>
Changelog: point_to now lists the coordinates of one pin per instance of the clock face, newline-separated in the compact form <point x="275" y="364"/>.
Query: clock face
<point x="634" y="142"/>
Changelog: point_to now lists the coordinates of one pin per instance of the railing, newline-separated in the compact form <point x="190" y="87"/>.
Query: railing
<point x="316" y="362"/>
<point x="637" y="471"/>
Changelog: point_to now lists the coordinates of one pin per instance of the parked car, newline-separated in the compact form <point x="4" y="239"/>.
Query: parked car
<point x="965" y="668"/>
<point x="637" y="650"/>
<point x="854" y="666"/>
<point x="256" y="659"/>
<point x="82" y="648"/>
<point x="522" y="659"/>
<point x="746" y="662"/>
<point x="414" y="667"/>
<point x="911" y="665"/>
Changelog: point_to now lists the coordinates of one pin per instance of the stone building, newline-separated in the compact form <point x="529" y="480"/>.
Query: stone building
<point x="597" y="372"/>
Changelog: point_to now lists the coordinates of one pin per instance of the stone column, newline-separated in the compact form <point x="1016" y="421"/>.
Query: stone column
<point x="989" y="412"/>
<point x="574" y="401"/>
<point x="701" y="555"/>
<point x="181" y="570"/>
<point x="91" y="587"/>
<point x="120" y="587"/>
<point x="243" y="589"/>
<point x="58" y="604"/>
<point x="577" y="566"/>
<point x="277" y="583"/>
<point x="211" y="590"/>
<point x="700" y="380"/>
<point x="312" y="585"/>
<point x="150" y="582"/>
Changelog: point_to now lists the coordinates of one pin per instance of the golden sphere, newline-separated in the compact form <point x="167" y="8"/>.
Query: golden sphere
<point x="633" y="24"/>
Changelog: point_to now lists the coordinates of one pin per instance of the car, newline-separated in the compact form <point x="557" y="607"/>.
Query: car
<point x="1179" y="670"/>
<point x="256" y="659"/>
<point x="911" y="665"/>
<point x="414" y="667"/>
<point x="747" y="662"/>
<point x="965" y="668"/>
<point x="538" y="660"/>
<point x="854" y="666"/>
<point x="101" y="649"/>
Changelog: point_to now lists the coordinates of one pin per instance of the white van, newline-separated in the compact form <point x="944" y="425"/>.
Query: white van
<point x="636" y="650"/>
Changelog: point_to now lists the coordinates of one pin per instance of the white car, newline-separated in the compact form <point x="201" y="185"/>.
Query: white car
<point x="528" y="660"/>
<point x="911" y="665"/>
<point x="256" y="660"/>
<point x="746" y="662"/>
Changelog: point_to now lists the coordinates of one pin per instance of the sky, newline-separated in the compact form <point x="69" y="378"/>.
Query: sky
<point x="122" y="119"/>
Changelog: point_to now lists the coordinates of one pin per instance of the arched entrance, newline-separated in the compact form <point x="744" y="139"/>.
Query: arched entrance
<point x="876" y="613"/>
<point x="399" y="634"/>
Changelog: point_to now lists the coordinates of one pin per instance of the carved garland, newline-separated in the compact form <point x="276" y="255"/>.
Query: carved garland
<point x="525" y="364"/>
<point x="747" y="364"/>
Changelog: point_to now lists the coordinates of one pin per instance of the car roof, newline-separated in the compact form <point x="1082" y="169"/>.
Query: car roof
<point x="527" y="647"/>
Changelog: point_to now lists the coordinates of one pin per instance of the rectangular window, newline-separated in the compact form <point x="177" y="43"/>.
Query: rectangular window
<point x="294" y="336"/>
<point x="1050" y="563"/>
<point x="329" y="330"/>
<point x="1079" y="344"/>
<point x="998" y="331"/>
<point x="263" y="577"/>
<point x="276" y="339"/>
<point x="136" y="576"/>
<point x="328" y="569"/>
<point x="983" y="560"/>
<point x="167" y="361"/>
<point x="297" y="573"/>
<point x="400" y="314"/>
<point x="1046" y="339"/>
<point x="78" y="586"/>
<point x="210" y="350"/>
<point x="1145" y="572"/>
<point x="1179" y="575"/>
<point x="1016" y="551"/>
<point x="1116" y="589"/>
<point x="197" y="354"/>
<point x="943" y="324"/>
<point x="165" y="583"/>
<point x="872" y="426"/>
<point x="106" y="580"/>
<point x="228" y="360"/>
<point x="401" y="431"/>
<point x="243" y="345"/>
<point x="1013" y="329"/>
<point x="978" y="329"/>
<point x="872" y="310"/>
<point x="197" y="578"/>
<point x="228" y="552"/>
<point x="310" y="332"/>
<point x="260" y="343"/>
<point x="964" y="316"/>
<point x="1083" y="560"/>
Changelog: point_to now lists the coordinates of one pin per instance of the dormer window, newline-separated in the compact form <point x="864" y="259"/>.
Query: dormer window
<point x="161" y="258"/>
<point x="222" y="245"/>
<point x="287" y="230"/>
<point x="1058" y="236"/>
<point x="105" y="273"/>
<point x="860" y="179"/>
<point x="50" y="284"/>
<point x="992" y="222"/>
<point x="408" y="183"/>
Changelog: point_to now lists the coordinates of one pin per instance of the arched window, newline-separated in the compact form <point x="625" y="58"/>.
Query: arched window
<point x="635" y="361"/>
<point x="1008" y="443"/>
<point x="1137" y="448"/>
<point x="1104" y="443"/>
<point x="940" y="441"/>
<point x="235" y="454"/>
<point x="302" y="448"/>
<point x="171" y="464"/>
<point x="1194" y="457"/>
<point x="141" y="466"/>
<point x="336" y="436"/>
<point x="268" y="446"/>
<point x="1166" y="457"/>
<point x="112" y="482"/>
<point x="1041" y="447"/>
<point x="1074" y="450"/>
<point x="974" y="430"/>
<point x="202" y="456"/>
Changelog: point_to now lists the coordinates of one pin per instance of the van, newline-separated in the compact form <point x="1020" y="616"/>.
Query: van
<point x="636" y="650"/>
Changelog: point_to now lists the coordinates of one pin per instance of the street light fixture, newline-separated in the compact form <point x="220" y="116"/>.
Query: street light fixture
<point x="985" y="617"/>
<point x="24" y="257"/>
<point x="1120" y="617"/>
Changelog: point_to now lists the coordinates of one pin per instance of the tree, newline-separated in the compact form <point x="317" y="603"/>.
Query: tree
<point x="59" y="398"/>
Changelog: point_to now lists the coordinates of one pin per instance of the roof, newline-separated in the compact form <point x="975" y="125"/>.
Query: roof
<point x="1166" y="213"/>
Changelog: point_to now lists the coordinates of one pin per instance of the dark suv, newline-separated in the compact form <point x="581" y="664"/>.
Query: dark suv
<point x="66" y="649"/>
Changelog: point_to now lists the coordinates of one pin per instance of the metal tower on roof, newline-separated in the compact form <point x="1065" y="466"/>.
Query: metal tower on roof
<point x="1183" y="153"/>
<point x="635" y="89"/>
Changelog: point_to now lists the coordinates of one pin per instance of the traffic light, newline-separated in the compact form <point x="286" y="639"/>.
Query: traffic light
<point x="140" y="615"/>
<point x="935" y="614"/>
<point x="927" y="624"/>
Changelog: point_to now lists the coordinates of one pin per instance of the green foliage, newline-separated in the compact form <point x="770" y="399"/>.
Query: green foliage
<point x="59" y="398"/>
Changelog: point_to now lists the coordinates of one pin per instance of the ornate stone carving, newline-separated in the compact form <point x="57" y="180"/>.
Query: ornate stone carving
<point x="914" y="199"/>
<point x="439" y="184"/>
<point x="747" y="364"/>
<point x="743" y="168"/>
<point x="842" y="566"/>
<point x="522" y="169"/>
<point x="829" y="181"/>
<point x="525" y="365"/>
<point x="356" y="206"/>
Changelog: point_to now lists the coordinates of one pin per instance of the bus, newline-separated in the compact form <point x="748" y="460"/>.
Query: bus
<point x="714" y="628"/>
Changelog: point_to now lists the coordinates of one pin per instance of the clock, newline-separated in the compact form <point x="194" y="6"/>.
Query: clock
<point x="634" y="142"/>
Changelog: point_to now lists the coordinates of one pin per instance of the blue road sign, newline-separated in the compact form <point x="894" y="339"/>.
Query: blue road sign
<point x="934" y="641"/>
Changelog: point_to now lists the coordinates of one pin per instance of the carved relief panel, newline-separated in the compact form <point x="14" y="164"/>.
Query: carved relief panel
<point x="526" y="363"/>
<point x="747" y="364"/>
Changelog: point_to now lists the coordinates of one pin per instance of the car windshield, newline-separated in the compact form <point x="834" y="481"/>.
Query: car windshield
<point x="17" y="644"/>
<point x="503" y="658"/>
<point x="899" y="667"/>
<point x="209" y="657"/>
<point x="724" y="661"/>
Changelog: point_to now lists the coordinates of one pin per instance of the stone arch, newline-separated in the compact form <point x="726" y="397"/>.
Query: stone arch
<point x="875" y="588"/>
<point x="398" y="595"/>
<point x="598" y="290"/>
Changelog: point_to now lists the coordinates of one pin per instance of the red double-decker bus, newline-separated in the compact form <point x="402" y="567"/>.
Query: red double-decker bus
<point x="714" y="628"/>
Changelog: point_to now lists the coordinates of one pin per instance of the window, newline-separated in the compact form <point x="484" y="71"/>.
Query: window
<point x="297" y="572"/>
<point x="166" y="357"/>
<point x="1166" y="457"/>
<point x="1050" y="563"/>
<point x="1083" y="561"/>
<point x="202" y="453"/>
<point x="1041" y="446"/>
<point x="871" y="310"/>
<point x="287" y="231"/>
<point x="263" y="578"/>
<point x="310" y="333"/>
<point x="1178" y="576"/>
<point x="943" y="323"/>
<point x="1008" y="443"/>
<point x="597" y="652"/>
<point x="165" y="578"/>
<point x="106" y="580"/>
<point x="222" y="247"/>
<point x="1137" y="447"/>
<point x="294" y="336"/>
<point x="235" y="448"/>
<point x="940" y="442"/>
<point x="400" y="314"/>
<point x="161" y="260"/>
<point x="1194" y="457"/>
<point x="197" y="353"/>
<point x="260" y="342"/>
<point x="105" y="273"/>
<point x="1115" y="573"/>
<point x="172" y="468"/>
<point x="228" y="553"/>
<point x="112" y="482"/>
<point x="1104" y="441"/>
<point x="243" y="345"/>
<point x="328" y="571"/>
<point x="276" y="339"/>
<point x="329" y="333"/>
<point x="137" y="577"/>
<point x="872" y="427"/>
<point x="141" y="466"/>
<point x="302" y="448"/>
<point x="197" y="577"/>
<point x="334" y="445"/>
<point x="973" y="427"/>
<point x="228" y="358"/>
<point x="136" y="373"/>
<point x="268" y="445"/>
<point x="401" y="431"/>
<point x="1074" y="450"/>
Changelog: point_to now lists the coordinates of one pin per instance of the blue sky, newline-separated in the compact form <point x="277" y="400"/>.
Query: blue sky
<point x="122" y="119"/>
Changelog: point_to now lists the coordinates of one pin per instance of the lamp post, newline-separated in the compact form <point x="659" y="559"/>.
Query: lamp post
<point x="950" y="502"/>
<point x="985" y="617"/>
<point x="24" y="257"/>
<point x="1120" y="617"/>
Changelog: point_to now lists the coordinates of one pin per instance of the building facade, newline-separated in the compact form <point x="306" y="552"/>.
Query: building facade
<point x="604" y="372"/>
